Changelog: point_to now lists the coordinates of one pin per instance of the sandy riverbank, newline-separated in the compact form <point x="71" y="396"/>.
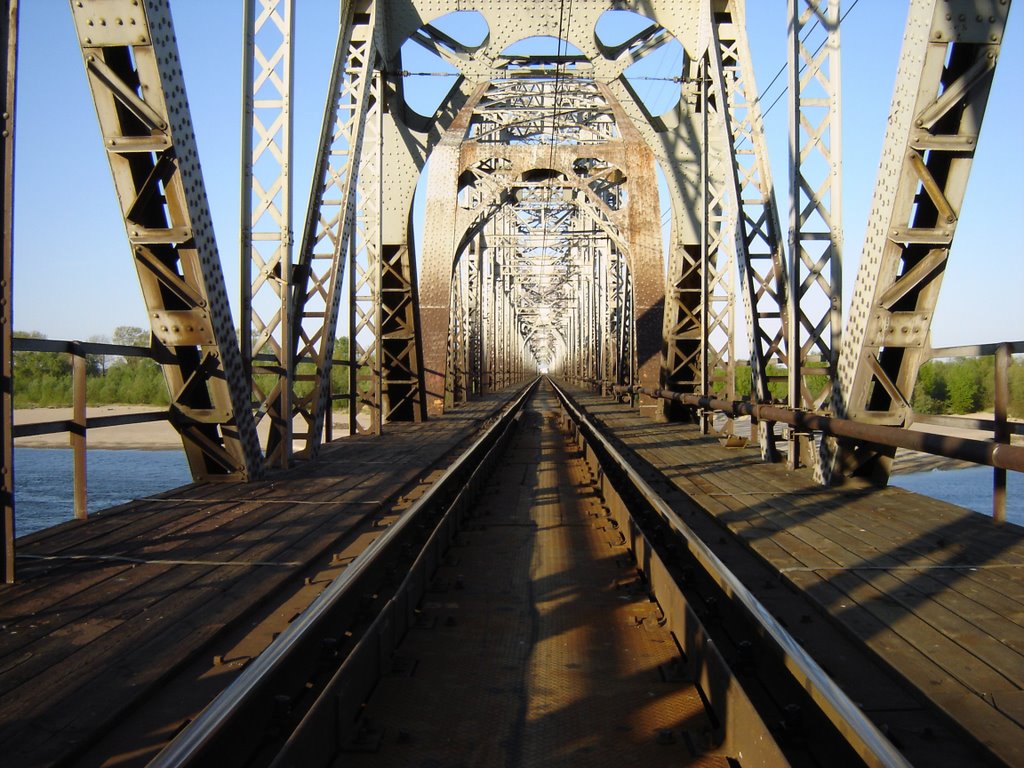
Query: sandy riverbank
<point x="149" y="436"/>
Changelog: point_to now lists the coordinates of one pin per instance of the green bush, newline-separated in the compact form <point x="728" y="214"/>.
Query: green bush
<point x="966" y="385"/>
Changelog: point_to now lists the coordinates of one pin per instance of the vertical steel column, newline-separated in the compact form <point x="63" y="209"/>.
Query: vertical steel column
<point x="942" y="87"/>
<point x="9" y="54"/>
<point x="474" y="315"/>
<point x="134" y="74"/>
<point x="685" y="305"/>
<point x="718" y="269"/>
<point x="266" y="220"/>
<point x="330" y="219"/>
<point x="365" y="277"/>
<point x="758" y="245"/>
<point x="815" y="210"/>
<point x="455" y="381"/>
<point x="1001" y="433"/>
<point x="497" y="270"/>
<point x="402" y="386"/>
<point x="77" y="436"/>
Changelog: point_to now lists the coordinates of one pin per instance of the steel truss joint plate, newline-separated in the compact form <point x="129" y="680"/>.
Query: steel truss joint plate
<point x="110" y="23"/>
<point x="969" y="21"/>
<point x="183" y="328"/>
<point x="900" y="329"/>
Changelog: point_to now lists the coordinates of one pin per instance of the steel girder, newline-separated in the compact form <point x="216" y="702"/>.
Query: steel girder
<point x="700" y="298"/>
<point x="266" y="226"/>
<point x="136" y="82"/>
<point x="330" y="220"/>
<point x="815" y="211"/>
<point x="758" y="245"/>
<point x="949" y="56"/>
<point x="8" y="52"/>
<point x="364" y="363"/>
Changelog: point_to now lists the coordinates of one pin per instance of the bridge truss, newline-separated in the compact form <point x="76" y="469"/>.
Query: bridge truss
<point x="542" y="248"/>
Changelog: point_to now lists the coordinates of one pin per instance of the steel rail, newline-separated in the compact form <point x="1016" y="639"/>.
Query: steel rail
<point x="863" y="735"/>
<point x="189" y="746"/>
<point x="999" y="455"/>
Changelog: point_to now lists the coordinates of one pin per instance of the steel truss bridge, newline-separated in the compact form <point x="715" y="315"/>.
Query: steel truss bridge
<point x="542" y="246"/>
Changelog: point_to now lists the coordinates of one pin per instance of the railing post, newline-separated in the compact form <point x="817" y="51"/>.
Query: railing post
<point x="8" y="58"/>
<point x="329" y="416"/>
<point x="1001" y="429"/>
<point x="78" y="417"/>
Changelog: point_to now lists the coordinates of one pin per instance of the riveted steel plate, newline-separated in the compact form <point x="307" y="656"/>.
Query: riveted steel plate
<point x="183" y="328"/>
<point x="103" y="23"/>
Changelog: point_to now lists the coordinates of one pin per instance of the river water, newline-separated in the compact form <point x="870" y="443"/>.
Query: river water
<point x="43" y="482"/>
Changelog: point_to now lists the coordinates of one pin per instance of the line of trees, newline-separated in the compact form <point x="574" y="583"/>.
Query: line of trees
<point x="966" y="385"/>
<point x="43" y="379"/>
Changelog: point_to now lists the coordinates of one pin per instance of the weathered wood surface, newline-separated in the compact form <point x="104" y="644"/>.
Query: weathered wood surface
<point x="107" y="609"/>
<point x="936" y="591"/>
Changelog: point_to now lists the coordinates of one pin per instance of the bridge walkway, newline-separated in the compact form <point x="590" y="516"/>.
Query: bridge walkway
<point x="935" y="593"/>
<point x="171" y="595"/>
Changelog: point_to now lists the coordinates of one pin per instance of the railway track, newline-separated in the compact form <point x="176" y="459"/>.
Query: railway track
<point x="320" y="693"/>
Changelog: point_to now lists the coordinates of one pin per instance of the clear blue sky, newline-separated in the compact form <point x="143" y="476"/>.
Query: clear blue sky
<point x="73" y="271"/>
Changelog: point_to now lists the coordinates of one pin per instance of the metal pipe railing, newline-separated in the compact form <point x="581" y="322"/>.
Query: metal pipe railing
<point x="1001" y="455"/>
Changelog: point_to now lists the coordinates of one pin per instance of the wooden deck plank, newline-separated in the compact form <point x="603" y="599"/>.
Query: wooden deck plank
<point x="893" y="568"/>
<point x="101" y="633"/>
